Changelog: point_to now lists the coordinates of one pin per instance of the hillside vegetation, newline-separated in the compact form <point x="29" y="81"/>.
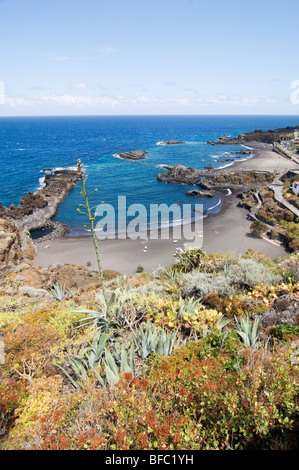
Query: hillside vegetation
<point x="201" y="355"/>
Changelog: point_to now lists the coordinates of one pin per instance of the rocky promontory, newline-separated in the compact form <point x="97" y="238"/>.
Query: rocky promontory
<point x="236" y="180"/>
<point x="213" y="180"/>
<point x="132" y="155"/>
<point x="267" y="137"/>
<point x="36" y="210"/>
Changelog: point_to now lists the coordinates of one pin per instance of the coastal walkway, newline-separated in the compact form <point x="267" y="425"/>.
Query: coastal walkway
<point x="278" y="196"/>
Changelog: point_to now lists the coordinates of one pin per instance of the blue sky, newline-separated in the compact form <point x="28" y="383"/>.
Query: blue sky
<point x="98" y="57"/>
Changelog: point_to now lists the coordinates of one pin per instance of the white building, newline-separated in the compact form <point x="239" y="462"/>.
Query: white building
<point x="295" y="187"/>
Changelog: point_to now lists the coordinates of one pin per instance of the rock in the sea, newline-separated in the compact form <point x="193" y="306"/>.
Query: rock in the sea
<point x="180" y="174"/>
<point x="200" y="193"/>
<point x="171" y="142"/>
<point x="132" y="155"/>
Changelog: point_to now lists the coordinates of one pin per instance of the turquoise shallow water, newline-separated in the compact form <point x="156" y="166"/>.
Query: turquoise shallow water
<point x="31" y="144"/>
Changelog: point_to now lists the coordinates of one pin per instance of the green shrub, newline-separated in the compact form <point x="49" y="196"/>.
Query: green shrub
<point x="249" y="273"/>
<point x="258" y="228"/>
<point x="189" y="259"/>
<point x="289" y="266"/>
<point x="209" y="395"/>
<point x="201" y="284"/>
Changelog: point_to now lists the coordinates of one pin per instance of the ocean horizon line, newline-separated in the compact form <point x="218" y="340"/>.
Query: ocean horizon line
<point x="147" y="115"/>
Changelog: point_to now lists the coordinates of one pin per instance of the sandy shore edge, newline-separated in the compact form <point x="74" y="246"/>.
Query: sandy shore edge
<point x="228" y="230"/>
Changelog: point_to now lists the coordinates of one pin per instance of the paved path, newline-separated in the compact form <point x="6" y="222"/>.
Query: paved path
<point x="278" y="195"/>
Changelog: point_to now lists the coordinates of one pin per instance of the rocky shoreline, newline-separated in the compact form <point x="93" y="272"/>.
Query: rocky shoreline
<point x="266" y="137"/>
<point x="36" y="210"/>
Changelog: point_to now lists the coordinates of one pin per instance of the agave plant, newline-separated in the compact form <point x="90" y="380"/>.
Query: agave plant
<point x="114" y="364"/>
<point x="107" y="312"/>
<point x="152" y="340"/>
<point x="87" y="359"/>
<point x="247" y="331"/>
<point x="58" y="292"/>
<point x="146" y="340"/>
<point x="188" y="306"/>
<point x="173" y="275"/>
<point x="166" y="343"/>
<point x="222" y="323"/>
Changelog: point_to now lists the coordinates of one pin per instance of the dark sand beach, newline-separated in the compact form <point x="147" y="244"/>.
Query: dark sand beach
<point x="228" y="230"/>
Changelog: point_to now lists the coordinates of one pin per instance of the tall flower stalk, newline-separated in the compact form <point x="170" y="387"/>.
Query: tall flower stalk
<point x="83" y="178"/>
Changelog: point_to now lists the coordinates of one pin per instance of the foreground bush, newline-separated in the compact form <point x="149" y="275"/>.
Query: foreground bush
<point x="167" y="361"/>
<point x="212" y="394"/>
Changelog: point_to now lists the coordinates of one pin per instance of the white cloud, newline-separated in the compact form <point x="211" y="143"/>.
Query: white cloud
<point x="236" y="101"/>
<point x="218" y="102"/>
<point x="79" y="86"/>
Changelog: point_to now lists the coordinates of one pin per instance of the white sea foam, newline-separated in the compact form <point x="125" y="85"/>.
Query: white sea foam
<point x="41" y="181"/>
<point x="213" y="207"/>
<point x="162" y="165"/>
<point x="117" y="155"/>
<point x="60" y="168"/>
<point x="249" y="148"/>
<point x="225" y="166"/>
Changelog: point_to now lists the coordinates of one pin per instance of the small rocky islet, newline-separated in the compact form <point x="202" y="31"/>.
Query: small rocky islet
<point x="132" y="155"/>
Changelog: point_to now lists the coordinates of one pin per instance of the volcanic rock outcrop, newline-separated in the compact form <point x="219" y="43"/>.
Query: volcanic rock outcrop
<point x="267" y="137"/>
<point x="213" y="180"/>
<point x="181" y="174"/>
<point x="132" y="155"/>
<point x="37" y="209"/>
<point x="15" y="246"/>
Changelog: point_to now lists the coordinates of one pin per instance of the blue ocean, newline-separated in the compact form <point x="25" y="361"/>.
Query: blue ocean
<point x="29" y="145"/>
